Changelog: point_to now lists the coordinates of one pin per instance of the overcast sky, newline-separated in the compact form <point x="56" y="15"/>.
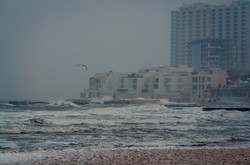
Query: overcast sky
<point x="41" y="42"/>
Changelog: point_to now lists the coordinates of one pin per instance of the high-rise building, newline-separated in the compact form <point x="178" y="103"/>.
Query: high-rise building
<point x="209" y="53"/>
<point x="201" y="21"/>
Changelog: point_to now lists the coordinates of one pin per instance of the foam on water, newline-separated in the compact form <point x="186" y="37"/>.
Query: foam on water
<point x="63" y="103"/>
<point x="62" y="124"/>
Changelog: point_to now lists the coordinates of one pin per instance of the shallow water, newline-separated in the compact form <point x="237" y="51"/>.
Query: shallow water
<point x="102" y="125"/>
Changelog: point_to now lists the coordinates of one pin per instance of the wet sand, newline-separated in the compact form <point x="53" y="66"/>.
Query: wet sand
<point x="176" y="155"/>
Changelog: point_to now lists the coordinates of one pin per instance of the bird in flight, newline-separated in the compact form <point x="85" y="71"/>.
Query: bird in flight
<point x="82" y="65"/>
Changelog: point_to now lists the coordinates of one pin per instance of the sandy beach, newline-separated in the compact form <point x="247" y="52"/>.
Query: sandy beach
<point x="176" y="155"/>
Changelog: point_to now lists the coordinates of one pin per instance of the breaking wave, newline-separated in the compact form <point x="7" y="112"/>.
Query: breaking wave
<point x="66" y="124"/>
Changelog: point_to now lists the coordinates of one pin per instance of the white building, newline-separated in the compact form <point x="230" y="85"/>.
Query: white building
<point x="157" y="81"/>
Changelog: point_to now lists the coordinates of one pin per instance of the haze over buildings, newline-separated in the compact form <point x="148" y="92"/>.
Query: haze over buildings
<point x="225" y="29"/>
<point x="42" y="41"/>
<point x="207" y="41"/>
<point x="180" y="83"/>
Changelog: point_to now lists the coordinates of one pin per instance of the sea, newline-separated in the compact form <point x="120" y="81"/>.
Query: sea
<point x="64" y="124"/>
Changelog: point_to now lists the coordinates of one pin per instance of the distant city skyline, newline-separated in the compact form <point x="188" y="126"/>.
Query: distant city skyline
<point x="200" y="22"/>
<point x="42" y="41"/>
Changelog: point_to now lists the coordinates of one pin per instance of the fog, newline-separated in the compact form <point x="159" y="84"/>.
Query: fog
<point x="42" y="41"/>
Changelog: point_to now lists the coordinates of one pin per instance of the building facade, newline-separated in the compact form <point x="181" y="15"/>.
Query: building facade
<point x="205" y="79"/>
<point x="161" y="81"/>
<point x="210" y="53"/>
<point x="201" y="21"/>
<point x="237" y="94"/>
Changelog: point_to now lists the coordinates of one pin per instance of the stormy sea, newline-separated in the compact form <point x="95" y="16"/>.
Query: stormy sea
<point x="64" y="124"/>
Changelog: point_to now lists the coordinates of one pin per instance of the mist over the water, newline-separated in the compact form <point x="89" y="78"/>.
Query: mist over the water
<point x="42" y="41"/>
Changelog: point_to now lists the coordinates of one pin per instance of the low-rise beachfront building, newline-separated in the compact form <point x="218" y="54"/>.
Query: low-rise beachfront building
<point x="158" y="82"/>
<point x="231" y="94"/>
<point x="204" y="80"/>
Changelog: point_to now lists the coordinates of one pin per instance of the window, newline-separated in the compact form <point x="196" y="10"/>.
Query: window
<point x="228" y="93"/>
<point x="122" y="83"/>
<point x="214" y="54"/>
<point x="214" y="63"/>
<point x="167" y="80"/>
<point x="167" y="83"/>
<point x="134" y="83"/>
<point x="194" y="79"/>
<point x="219" y="94"/>
<point x="236" y="94"/>
<point x="156" y="80"/>
<point x="202" y="79"/>
<point x="168" y="86"/>
<point x="215" y="45"/>
<point x="208" y="79"/>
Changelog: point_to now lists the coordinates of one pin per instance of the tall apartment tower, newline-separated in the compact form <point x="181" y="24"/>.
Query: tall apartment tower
<point x="201" y="21"/>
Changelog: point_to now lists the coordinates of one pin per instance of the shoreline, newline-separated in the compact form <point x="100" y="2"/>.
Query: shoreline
<point x="166" y="155"/>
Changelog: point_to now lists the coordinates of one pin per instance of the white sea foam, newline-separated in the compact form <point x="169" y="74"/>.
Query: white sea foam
<point x="6" y="104"/>
<point x="119" y="125"/>
<point x="63" y="103"/>
<point x="108" y="111"/>
<point x="71" y="104"/>
<point x="101" y="100"/>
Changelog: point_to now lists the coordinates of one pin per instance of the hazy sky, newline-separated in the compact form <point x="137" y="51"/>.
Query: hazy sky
<point x="41" y="42"/>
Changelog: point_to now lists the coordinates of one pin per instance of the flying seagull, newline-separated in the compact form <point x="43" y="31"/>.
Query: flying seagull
<point x="83" y="66"/>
